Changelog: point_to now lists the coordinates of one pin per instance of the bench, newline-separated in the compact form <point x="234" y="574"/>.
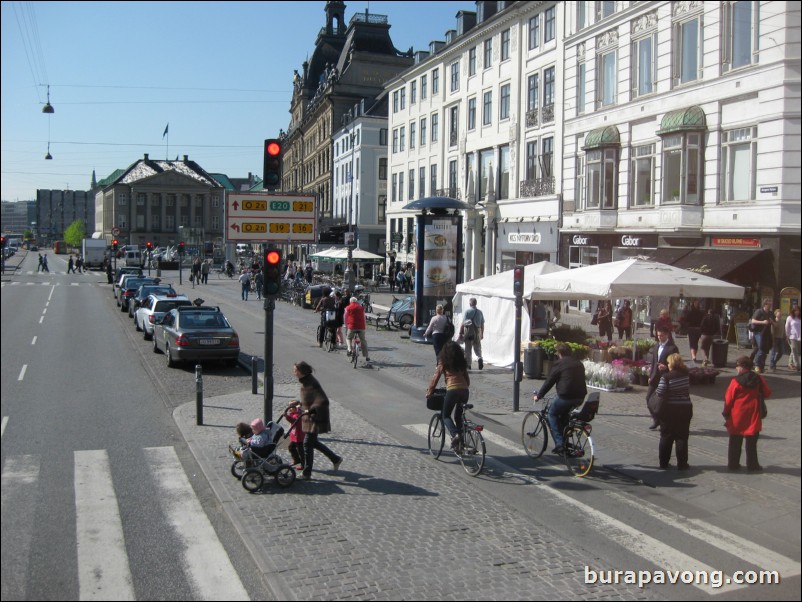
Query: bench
<point x="381" y="320"/>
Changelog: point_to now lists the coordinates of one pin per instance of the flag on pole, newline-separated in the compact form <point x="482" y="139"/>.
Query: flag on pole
<point x="166" y="129"/>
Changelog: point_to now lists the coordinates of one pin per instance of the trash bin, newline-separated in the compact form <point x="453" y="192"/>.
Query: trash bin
<point x="533" y="362"/>
<point x="720" y="350"/>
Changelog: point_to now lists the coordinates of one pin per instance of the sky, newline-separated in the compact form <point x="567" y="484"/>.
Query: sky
<point x="219" y="73"/>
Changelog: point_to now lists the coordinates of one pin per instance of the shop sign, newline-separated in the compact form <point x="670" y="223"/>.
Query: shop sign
<point x="630" y="241"/>
<point x="524" y="239"/>
<point x="579" y="239"/>
<point x="735" y="242"/>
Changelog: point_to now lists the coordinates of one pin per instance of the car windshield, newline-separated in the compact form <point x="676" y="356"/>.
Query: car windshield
<point x="165" y="306"/>
<point x="202" y="320"/>
<point x="144" y="291"/>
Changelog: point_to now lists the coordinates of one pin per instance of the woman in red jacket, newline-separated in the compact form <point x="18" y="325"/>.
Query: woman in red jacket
<point x="742" y="411"/>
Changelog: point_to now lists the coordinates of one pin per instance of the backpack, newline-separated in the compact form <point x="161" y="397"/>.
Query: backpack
<point x="469" y="329"/>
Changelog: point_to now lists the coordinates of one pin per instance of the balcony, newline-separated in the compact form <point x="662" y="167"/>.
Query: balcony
<point x="535" y="188"/>
<point x="532" y="118"/>
<point x="548" y="113"/>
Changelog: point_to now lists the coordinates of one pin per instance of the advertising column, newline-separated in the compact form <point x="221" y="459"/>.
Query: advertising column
<point x="439" y="242"/>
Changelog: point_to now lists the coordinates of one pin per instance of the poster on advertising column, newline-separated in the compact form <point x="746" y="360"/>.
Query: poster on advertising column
<point x="440" y="265"/>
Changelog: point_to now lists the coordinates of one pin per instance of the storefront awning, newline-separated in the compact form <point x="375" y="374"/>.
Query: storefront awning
<point x="668" y="255"/>
<point x="683" y="120"/>
<point x="606" y="136"/>
<point x="718" y="263"/>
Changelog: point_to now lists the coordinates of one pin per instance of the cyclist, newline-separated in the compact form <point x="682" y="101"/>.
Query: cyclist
<point x="453" y="364"/>
<point x="569" y="376"/>
<point x="324" y="305"/>
<point x="355" y="323"/>
<point x="229" y="268"/>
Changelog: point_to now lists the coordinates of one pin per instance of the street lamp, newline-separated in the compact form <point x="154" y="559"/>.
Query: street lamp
<point x="348" y="276"/>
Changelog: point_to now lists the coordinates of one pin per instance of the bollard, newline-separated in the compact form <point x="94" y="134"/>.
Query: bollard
<point x="198" y="395"/>
<point x="254" y="377"/>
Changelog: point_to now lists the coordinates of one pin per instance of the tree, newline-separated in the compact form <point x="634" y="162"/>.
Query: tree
<point x="27" y="235"/>
<point x="75" y="233"/>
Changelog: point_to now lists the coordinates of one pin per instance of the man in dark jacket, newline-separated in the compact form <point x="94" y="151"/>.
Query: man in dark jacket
<point x="569" y="376"/>
<point x="664" y="347"/>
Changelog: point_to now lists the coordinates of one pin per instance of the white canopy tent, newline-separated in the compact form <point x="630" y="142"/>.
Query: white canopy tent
<point x="495" y="298"/>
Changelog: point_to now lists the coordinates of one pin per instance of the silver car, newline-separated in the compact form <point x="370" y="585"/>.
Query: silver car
<point x="196" y="334"/>
<point x="153" y="309"/>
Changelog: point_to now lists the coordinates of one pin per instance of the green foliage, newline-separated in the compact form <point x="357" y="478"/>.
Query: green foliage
<point x="578" y="350"/>
<point x="27" y="235"/>
<point x="75" y="233"/>
<point x="570" y="334"/>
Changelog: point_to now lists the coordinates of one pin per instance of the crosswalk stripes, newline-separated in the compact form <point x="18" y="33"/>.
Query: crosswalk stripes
<point x="647" y="547"/>
<point x="103" y="566"/>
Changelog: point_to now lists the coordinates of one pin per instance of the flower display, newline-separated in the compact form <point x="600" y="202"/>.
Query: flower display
<point x="606" y="376"/>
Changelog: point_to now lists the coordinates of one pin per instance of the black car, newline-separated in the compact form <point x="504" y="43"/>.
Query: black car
<point x="142" y="293"/>
<point x="129" y="289"/>
<point x="197" y="334"/>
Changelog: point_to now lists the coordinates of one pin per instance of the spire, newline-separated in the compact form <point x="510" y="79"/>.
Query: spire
<point x="94" y="181"/>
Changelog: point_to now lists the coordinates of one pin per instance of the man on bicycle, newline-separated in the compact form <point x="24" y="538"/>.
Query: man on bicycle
<point x="569" y="376"/>
<point x="355" y="323"/>
<point x="326" y="307"/>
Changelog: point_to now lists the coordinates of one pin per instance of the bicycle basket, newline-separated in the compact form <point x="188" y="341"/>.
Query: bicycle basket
<point x="435" y="400"/>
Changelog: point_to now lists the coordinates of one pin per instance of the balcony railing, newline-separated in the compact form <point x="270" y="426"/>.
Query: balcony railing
<point x="534" y="188"/>
<point x="449" y="192"/>
<point x="548" y="113"/>
<point x="532" y="118"/>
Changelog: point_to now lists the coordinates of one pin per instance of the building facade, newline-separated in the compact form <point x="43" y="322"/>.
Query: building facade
<point x="57" y="209"/>
<point x="162" y="202"/>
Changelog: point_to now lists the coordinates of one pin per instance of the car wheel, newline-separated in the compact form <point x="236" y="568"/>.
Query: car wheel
<point x="155" y="344"/>
<point x="145" y="334"/>
<point x="171" y="363"/>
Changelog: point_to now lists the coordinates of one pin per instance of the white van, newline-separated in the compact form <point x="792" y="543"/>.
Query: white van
<point x="243" y="250"/>
<point x="133" y="257"/>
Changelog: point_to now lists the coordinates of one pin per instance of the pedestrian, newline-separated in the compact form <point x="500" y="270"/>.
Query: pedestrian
<point x="664" y="319"/>
<point x="400" y="279"/>
<point x="245" y="281"/>
<point x="437" y="329"/>
<point x="472" y="331"/>
<point x="315" y="420"/>
<point x="675" y="414"/>
<point x="296" y="446"/>
<point x="663" y="348"/>
<point x="692" y="320"/>
<point x="623" y="321"/>
<point x="604" y="318"/>
<point x="326" y="308"/>
<point x="777" y="340"/>
<point x="79" y="264"/>
<point x="793" y="332"/>
<point x="205" y="272"/>
<point x="259" y="282"/>
<point x="761" y="326"/>
<point x="41" y="265"/>
<point x="308" y="272"/>
<point x="44" y="264"/>
<point x="391" y="278"/>
<point x="742" y="411"/>
<point x="109" y="275"/>
<point x="710" y="328"/>
<point x="70" y="266"/>
<point x="451" y="363"/>
<point x="354" y="316"/>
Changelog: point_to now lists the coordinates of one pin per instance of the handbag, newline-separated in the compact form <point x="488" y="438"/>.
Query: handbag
<point x="655" y="402"/>
<point x="595" y="320"/>
<point x="764" y="409"/>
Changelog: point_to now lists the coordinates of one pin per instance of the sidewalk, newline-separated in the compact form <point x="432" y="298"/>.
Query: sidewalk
<point x="391" y="524"/>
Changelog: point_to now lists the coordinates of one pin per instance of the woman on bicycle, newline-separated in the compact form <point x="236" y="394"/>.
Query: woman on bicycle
<point x="452" y="363"/>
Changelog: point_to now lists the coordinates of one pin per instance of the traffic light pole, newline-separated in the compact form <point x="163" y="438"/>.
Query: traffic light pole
<point x="517" y="376"/>
<point x="270" y="306"/>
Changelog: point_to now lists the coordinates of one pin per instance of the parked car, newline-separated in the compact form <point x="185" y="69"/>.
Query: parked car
<point x="402" y="311"/>
<point x="197" y="334"/>
<point x="154" y="307"/>
<point x="122" y="271"/>
<point x="148" y="289"/>
<point x="129" y="287"/>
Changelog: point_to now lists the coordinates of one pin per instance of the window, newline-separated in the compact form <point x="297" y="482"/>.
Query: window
<point x="644" y="65"/>
<point x="488" y="62"/>
<point x="423" y="87"/>
<point x="471" y="114"/>
<point x="432" y="179"/>
<point x="532" y="87"/>
<point x="412" y="134"/>
<point x="171" y="200"/>
<point x="534" y="32"/>
<point x="580" y="88"/>
<point x="140" y="200"/>
<point x="682" y="169"/>
<point x="395" y="101"/>
<point x="547" y="157"/>
<point x="435" y="123"/>
<point x="383" y="168"/>
<point x="549" y="28"/>
<point x="423" y="131"/>
<point x="604" y="9"/>
<point x="402" y="139"/>
<point x="401" y="186"/>
<point x="470" y="172"/>
<point x="411" y="184"/>
<point x="472" y="61"/>
<point x="403" y="98"/>
<point x="601" y="178"/>
<point x="422" y="181"/>
<point x="606" y="85"/>
<point x="505" y="45"/>
<point x="487" y="108"/>
<point x="154" y="221"/>
<point x="452" y="178"/>
<point x="215" y="201"/>
<point x="687" y="50"/>
<point x="485" y="167"/>
<point x="581" y="16"/>
<point x="453" y="126"/>
<point x="504" y="102"/>
<point x="435" y="81"/>
<point x="383" y="136"/>
<point x="123" y="200"/>
<point x="504" y="173"/>
<point x="413" y="93"/>
<point x="394" y="188"/>
<point x="548" y="87"/>
<point x="215" y="222"/>
<point x="739" y="150"/>
<point x="579" y="188"/>
<point x="642" y="177"/>
<point x="531" y="160"/>
<point x="741" y="30"/>
<point x="455" y="76"/>
<point x="395" y="140"/>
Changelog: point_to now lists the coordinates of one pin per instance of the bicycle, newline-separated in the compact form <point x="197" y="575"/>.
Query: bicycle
<point x="471" y="450"/>
<point x="223" y="273"/>
<point x="329" y="337"/>
<point x="356" y="347"/>
<point x="577" y="443"/>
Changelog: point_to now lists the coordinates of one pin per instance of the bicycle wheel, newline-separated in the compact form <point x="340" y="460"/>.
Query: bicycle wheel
<point x="253" y="479"/>
<point x="578" y="454"/>
<point x="436" y="436"/>
<point x="472" y="452"/>
<point x="534" y="434"/>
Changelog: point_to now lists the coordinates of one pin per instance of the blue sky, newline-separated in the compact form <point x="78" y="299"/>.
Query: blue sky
<point x="220" y="73"/>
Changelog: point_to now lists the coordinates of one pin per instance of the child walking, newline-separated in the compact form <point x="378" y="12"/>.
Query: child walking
<point x="296" y="446"/>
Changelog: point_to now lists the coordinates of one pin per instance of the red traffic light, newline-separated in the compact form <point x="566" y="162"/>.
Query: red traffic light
<point x="273" y="257"/>
<point x="518" y="280"/>
<point x="272" y="164"/>
<point x="149" y="245"/>
<point x="273" y="148"/>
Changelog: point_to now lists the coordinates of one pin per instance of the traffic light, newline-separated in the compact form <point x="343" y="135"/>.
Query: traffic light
<point x="518" y="280"/>
<point x="181" y="248"/>
<point x="272" y="166"/>
<point x="272" y="272"/>
<point x="3" y="242"/>
<point x="149" y="245"/>
<point x="115" y="244"/>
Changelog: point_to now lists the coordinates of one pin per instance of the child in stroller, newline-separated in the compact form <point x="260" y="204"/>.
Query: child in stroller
<point x="257" y="456"/>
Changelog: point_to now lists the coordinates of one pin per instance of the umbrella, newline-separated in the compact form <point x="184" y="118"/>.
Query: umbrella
<point x="326" y="255"/>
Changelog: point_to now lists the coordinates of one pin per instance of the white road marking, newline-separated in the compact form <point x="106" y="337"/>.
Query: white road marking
<point x="18" y="486"/>
<point x="33" y="342"/>
<point x="3" y="428"/>
<point x="206" y="563"/>
<point x="103" y="570"/>
<point x="22" y="372"/>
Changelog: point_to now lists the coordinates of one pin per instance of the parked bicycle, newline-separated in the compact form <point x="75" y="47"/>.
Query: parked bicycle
<point x="578" y="444"/>
<point x="471" y="449"/>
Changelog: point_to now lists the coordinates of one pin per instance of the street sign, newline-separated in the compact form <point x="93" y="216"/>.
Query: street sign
<point x="269" y="217"/>
<point x="115" y="231"/>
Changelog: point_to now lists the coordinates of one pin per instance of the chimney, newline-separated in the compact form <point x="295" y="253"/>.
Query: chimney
<point x="146" y="156"/>
<point x="186" y="158"/>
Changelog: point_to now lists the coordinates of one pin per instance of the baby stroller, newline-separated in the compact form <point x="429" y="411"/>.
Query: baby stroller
<point x="252" y="465"/>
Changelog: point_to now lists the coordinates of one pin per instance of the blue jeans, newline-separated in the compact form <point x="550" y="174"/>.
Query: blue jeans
<point x="454" y="397"/>
<point x="246" y="288"/>
<point x="558" y="417"/>
<point x="776" y="352"/>
<point x="760" y="356"/>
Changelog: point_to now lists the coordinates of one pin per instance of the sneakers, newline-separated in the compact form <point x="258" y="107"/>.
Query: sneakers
<point x="558" y="450"/>
<point x="337" y="464"/>
<point x="481" y="363"/>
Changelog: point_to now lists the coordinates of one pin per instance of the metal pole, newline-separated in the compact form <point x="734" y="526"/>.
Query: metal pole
<point x="254" y="376"/>
<point x="270" y="306"/>
<point x="516" y="385"/>
<point x="198" y="395"/>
